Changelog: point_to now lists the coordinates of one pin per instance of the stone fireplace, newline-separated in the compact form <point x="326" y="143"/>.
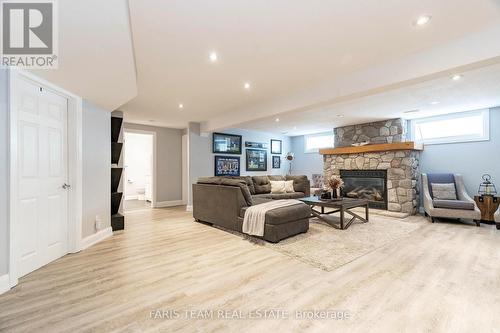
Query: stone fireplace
<point x="384" y="172"/>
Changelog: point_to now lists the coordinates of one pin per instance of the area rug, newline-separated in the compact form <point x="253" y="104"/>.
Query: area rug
<point x="328" y="248"/>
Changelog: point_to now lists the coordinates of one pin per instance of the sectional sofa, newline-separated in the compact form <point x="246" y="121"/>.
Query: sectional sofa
<point x="222" y="201"/>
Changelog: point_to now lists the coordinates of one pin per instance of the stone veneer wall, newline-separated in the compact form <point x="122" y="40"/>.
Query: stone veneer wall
<point x="387" y="131"/>
<point x="402" y="174"/>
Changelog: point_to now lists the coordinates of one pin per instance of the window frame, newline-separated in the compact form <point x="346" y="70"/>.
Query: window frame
<point x="485" y="113"/>
<point x="316" y="150"/>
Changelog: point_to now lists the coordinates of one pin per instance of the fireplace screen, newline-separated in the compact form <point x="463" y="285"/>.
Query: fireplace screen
<point x="366" y="184"/>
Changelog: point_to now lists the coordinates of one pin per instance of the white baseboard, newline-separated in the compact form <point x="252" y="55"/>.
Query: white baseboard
<point x="96" y="238"/>
<point x="160" y="204"/>
<point x="189" y="208"/>
<point x="4" y="283"/>
<point x="131" y="197"/>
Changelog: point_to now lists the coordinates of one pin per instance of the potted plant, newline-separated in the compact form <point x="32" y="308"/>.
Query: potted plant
<point x="335" y="183"/>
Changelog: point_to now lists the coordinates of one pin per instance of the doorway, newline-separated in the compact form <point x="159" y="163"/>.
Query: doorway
<point x="139" y="168"/>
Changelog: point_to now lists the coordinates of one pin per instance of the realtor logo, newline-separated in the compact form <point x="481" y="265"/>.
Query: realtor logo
<point x="29" y="33"/>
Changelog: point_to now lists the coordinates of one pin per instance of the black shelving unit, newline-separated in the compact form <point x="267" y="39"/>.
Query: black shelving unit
<point x="117" y="219"/>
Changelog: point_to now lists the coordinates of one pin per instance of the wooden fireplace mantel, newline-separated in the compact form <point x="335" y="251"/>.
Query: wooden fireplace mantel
<point x="409" y="145"/>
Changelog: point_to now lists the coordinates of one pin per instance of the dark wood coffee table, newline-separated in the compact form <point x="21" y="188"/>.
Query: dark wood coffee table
<point x="342" y="205"/>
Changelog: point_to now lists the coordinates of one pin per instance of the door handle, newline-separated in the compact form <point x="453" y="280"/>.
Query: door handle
<point x="66" y="186"/>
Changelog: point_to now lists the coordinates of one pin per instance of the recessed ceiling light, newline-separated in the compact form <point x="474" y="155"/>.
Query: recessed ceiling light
<point x="435" y="103"/>
<point x="213" y="57"/>
<point x="456" y="77"/>
<point x="181" y="106"/>
<point x="151" y="120"/>
<point x="246" y="85"/>
<point x="412" y="111"/>
<point x="277" y="120"/>
<point x="423" y="20"/>
<point x="340" y="116"/>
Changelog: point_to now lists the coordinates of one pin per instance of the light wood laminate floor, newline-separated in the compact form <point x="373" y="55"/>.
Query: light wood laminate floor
<point x="443" y="278"/>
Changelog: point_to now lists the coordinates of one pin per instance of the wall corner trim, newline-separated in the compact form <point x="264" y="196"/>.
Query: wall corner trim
<point x="189" y="208"/>
<point x="171" y="203"/>
<point x="4" y="283"/>
<point x="96" y="238"/>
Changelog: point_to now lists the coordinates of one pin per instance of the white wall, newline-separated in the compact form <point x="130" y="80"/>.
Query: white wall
<point x="168" y="161"/>
<point x="96" y="167"/>
<point x="4" y="175"/>
<point x="138" y="154"/>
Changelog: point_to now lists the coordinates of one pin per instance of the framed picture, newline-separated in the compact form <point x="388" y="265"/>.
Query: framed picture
<point x="276" y="146"/>
<point x="256" y="160"/>
<point x="276" y="162"/>
<point x="226" y="144"/>
<point x="256" y="145"/>
<point x="227" y="166"/>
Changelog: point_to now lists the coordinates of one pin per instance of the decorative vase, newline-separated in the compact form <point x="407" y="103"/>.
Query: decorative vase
<point x="334" y="193"/>
<point x="339" y="194"/>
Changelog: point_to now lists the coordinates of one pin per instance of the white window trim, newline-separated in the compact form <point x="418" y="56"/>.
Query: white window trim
<point x="454" y="139"/>
<point x="315" y="150"/>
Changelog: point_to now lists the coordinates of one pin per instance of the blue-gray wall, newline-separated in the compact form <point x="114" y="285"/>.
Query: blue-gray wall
<point x="471" y="159"/>
<point x="96" y="168"/>
<point x="305" y="163"/>
<point x="263" y="137"/>
<point x="201" y="158"/>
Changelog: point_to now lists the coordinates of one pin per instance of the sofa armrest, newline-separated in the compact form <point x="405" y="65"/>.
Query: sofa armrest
<point x="218" y="204"/>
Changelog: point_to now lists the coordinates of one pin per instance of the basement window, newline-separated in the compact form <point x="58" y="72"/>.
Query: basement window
<point x="314" y="142"/>
<point x="453" y="128"/>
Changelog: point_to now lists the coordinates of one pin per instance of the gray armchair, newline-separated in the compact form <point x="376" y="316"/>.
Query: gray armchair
<point x="463" y="207"/>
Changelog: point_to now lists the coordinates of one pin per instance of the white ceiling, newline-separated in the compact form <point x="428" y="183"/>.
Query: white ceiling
<point x="478" y="89"/>
<point x="289" y="48"/>
<point x="96" y="58"/>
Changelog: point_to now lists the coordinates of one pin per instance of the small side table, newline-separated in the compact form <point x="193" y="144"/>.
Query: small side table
<point x="488" y="205"/>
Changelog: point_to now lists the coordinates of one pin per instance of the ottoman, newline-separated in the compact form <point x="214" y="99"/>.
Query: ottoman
<point x="283" y="222"/>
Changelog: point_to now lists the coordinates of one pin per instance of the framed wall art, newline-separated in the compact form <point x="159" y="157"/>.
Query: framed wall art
<point x="226" y="144"/>
<point x="227" y="166"/>
<point x="276" y="162"/>
<point x="276" y="146"/>
<point x="256" y="160"/>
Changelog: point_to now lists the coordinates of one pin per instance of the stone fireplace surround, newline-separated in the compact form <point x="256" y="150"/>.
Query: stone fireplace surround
<point x="402" y="166"/>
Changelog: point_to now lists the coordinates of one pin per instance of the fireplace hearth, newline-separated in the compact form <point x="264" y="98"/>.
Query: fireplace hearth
<point x="366" y="184"/>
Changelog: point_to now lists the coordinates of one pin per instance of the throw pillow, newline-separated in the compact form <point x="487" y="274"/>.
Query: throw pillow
<point x="289" y="186"/>
<point x="278" y="186"/>
<point x="444" y="191"/>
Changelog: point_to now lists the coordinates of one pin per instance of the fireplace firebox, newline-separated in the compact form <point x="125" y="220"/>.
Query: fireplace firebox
<point x="366" y="184"/>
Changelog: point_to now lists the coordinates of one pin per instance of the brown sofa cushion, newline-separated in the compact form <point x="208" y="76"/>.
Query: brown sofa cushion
<point x="300" y="183"/>
<point x="229" y="182"/>
<point x="276" y="177"/>
<point x="247" y="179"/>
<point x="261" y="184"/>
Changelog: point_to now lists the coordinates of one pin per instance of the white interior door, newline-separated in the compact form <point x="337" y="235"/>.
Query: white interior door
<point x="42" y="197"/>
